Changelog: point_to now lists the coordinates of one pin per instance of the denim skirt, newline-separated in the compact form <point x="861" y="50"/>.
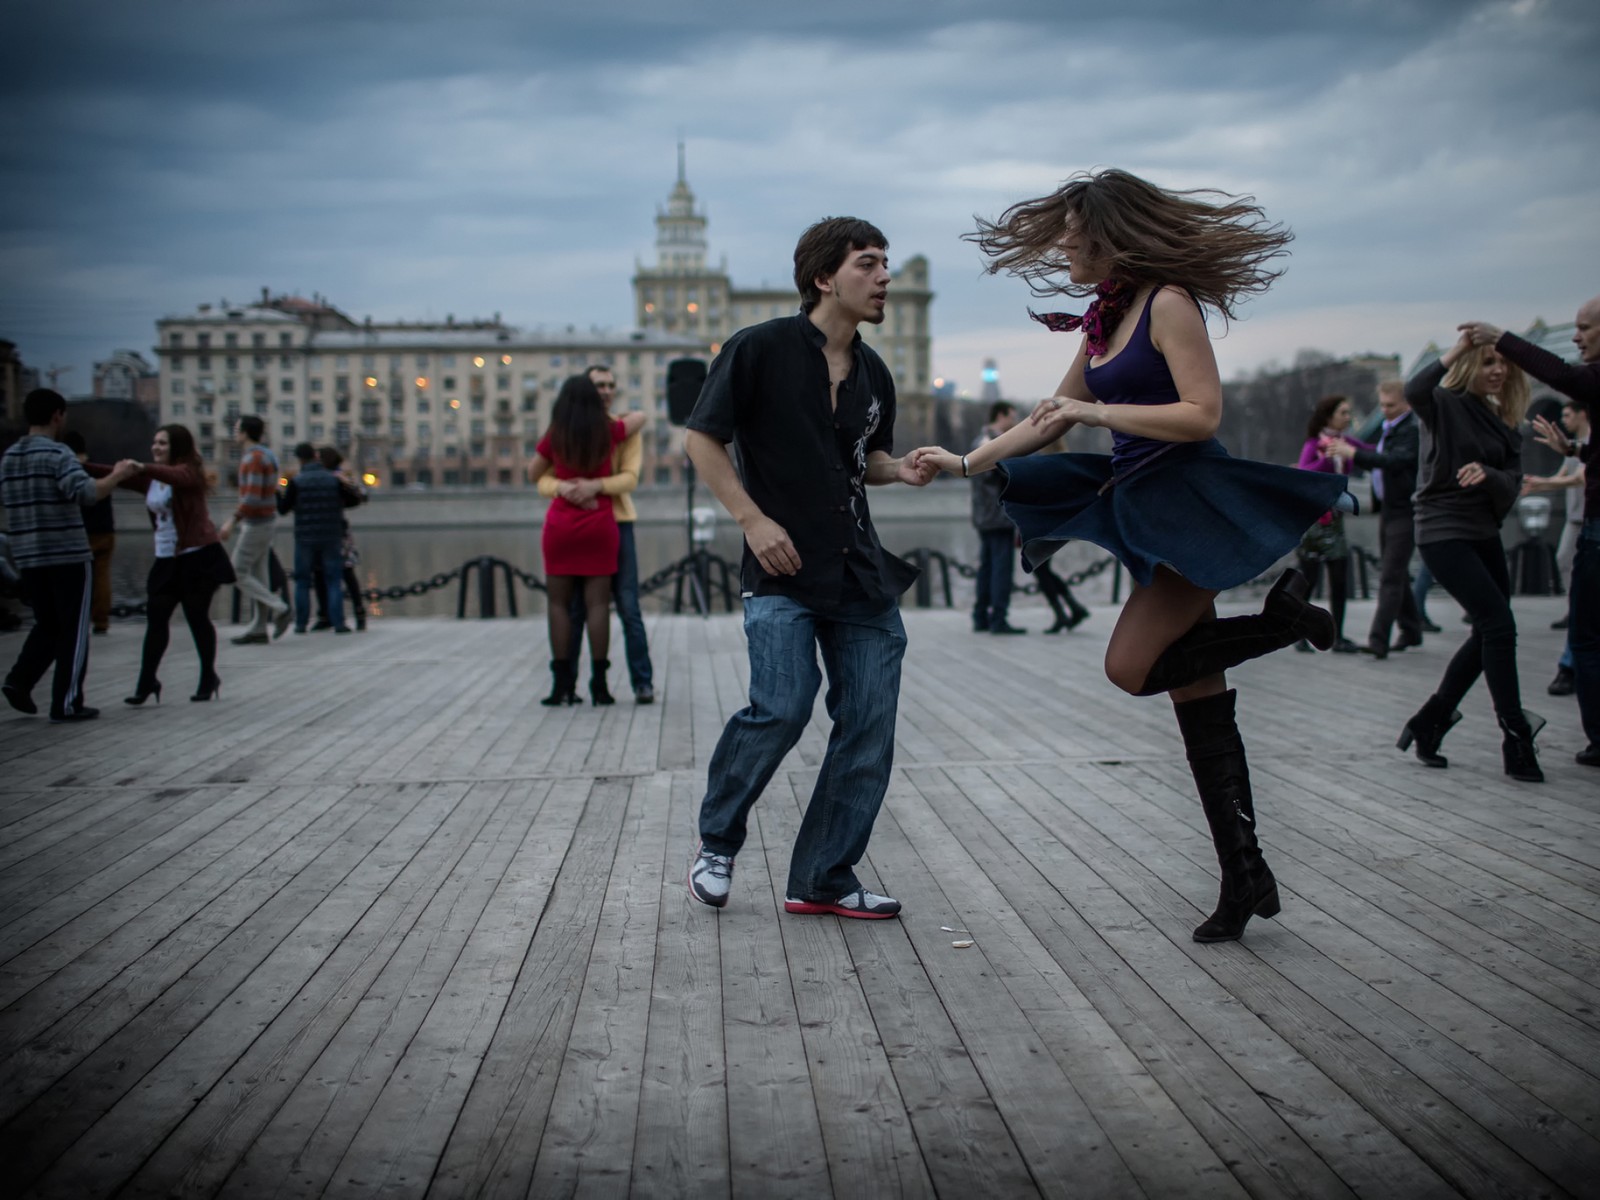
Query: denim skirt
<point x="1216" y="520"/>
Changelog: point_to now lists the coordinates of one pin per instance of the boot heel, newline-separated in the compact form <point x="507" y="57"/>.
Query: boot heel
<point x="1406" y="738"/>
<point x="1268" y="906"/>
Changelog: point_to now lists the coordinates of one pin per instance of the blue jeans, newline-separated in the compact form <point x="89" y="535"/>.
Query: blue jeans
<point x="862" y="645"/>
<point x="327" y="554"/>
<point x="1583" y="633"/>
<point x="996" y="560"/>
<point x="625" y="591"/>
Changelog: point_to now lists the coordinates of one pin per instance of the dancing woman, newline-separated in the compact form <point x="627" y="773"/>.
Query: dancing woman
<point x="1183" y="517"/>
<point x="580" y="541"/>
<point x="1324" y="544"/>
<point x="190" y="563"/>
<point x="1470" y="403"/>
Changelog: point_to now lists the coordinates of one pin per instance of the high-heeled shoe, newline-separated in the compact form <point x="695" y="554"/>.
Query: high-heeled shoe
<point x="1427" y="729"/>
<point x="599" y="693"/>
<point x="141" y="693"/>
<point x="210" y="685"/>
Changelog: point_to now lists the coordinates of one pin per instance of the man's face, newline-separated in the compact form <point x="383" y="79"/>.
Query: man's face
<point x="1573" y="421"/>
<point x="1587" y="335"/>
<point x="1391" y="403"/>
<point x="606" y="384"/>
<point x="861" y="285"/>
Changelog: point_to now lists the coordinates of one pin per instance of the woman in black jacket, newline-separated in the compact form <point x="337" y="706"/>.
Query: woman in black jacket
<point x="1470" y="404"/>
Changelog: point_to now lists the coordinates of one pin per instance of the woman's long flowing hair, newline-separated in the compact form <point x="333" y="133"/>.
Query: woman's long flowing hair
<point x="580" y="430"/>
<point x="1217" y="247"/>
<point x="1513" y="397"/>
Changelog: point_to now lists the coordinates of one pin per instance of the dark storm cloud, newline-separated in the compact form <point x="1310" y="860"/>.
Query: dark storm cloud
<point x="410" y="158"/>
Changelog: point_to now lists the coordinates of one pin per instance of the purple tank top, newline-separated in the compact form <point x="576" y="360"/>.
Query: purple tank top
<point x="1136" y="375"/>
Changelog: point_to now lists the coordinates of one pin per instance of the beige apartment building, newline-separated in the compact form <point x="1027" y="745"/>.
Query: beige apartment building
<point x="412" y="404"/>
<point x="463" y="404"/>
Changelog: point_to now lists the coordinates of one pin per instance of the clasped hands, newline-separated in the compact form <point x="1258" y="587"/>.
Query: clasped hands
<point x="1051" y="417"/>
<point x="580" y="493"/>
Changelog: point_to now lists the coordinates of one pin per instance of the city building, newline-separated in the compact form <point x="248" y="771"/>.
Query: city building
<point x="127" y="375"/>
<point x="15" y="383"/>
<point x="427" y="404"/>
<point x="450" y="404"/>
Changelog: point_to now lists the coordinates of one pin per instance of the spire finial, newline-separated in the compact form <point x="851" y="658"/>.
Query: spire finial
<point x="681" y="175"/>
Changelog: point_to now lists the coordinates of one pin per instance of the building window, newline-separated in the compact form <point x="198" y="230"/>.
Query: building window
<point x="177" y="408"/>
<point x="286" y="385"/>
<point x="259" y="362"/>
<point x="422" y="362"/>
<point x="316" y="408"/>
<point x="423" y="404"/>
<point x="316" y="387"/>
<point x="231" y="362"/>
<point x="258" y="339"/>
<point x="502" y="383"/>
<point x="286" y="408"/>
<point x="449" y="382"/>
<point x="230" y="340"/>
<point x="530" y="402"/>
<point x="317" y="431"/>
<point x="203" y="407"/>
<point x="341" y="362"/>
<point x="286" y="432"/>
<point x="477" y="404"/>
<point x="177" y="387"/>
<point x="342" y="403"/>
<point x="174" y="340"/>
<point x="203" y="362"/>
<point x="424" y="433"/>
<point x="203" y="340"/>
<point x="369" y="362"/>
<point x="285" y="339"/>
<point x="341" y="433"/>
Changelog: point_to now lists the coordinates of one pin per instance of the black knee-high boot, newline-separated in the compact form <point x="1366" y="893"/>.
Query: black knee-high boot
<point x="1211" y="647"/>
<point x="1222" y="777"/>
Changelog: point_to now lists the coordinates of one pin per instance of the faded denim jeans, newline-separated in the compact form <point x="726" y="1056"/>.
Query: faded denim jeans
<point x="861" y="647"/>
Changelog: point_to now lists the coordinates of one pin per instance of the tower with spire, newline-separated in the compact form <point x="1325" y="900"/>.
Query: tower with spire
<point x="681" y="294"/>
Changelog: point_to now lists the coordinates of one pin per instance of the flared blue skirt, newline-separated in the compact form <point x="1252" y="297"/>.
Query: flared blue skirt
<point x="1216" y="520"/>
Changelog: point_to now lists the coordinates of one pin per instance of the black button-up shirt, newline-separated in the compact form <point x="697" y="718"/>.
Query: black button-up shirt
<point x="803" y="461"/>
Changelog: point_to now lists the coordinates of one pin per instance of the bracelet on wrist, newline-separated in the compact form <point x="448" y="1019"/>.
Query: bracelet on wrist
<point x="964" y="474"/>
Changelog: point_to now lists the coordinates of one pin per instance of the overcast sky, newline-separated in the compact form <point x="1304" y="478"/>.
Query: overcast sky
<point x="1437" y="160"/>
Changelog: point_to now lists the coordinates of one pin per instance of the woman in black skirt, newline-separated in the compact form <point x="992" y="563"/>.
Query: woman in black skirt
<point x="1185" y="518"/>
<point x="1470" y="403"/>
<point x="190" y="563"/>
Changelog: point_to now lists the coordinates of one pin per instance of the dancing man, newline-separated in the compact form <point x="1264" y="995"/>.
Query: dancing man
<point x="810" y="409"/>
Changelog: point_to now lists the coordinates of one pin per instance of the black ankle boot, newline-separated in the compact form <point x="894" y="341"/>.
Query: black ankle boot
<point x="1211" y="647"/>
<point x="1517" y="749"/>
<point x="1222" y="777"/>
<point x="599" y="693"/>
<point x="563" y="685"/>
<point x="1427" y="728"/>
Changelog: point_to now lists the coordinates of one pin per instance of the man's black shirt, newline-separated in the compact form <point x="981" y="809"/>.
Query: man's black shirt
<point x="803" y="463"/>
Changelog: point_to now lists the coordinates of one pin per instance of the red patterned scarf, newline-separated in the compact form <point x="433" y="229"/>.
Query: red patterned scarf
<point x="1111" y="300"/>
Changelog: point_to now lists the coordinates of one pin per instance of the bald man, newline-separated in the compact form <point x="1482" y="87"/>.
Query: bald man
<point x="1582" y="384"/>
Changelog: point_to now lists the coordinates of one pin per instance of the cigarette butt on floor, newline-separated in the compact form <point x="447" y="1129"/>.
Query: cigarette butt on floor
<point x="963" y="944"/>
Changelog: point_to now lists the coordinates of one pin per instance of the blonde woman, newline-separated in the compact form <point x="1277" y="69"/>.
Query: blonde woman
<point x="1470" y="403"/>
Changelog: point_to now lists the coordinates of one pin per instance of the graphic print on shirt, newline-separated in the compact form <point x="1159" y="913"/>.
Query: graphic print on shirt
<point x="858" y="480"/>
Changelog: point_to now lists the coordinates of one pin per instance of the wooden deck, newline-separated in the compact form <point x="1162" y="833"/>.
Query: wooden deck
<point x="378" y="923"/>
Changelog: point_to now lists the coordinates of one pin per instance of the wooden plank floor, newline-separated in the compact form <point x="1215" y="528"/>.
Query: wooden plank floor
<point x="378" y="923"/>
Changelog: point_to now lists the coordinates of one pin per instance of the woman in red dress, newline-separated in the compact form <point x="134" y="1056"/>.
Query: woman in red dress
<point x="580" y="535"/>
